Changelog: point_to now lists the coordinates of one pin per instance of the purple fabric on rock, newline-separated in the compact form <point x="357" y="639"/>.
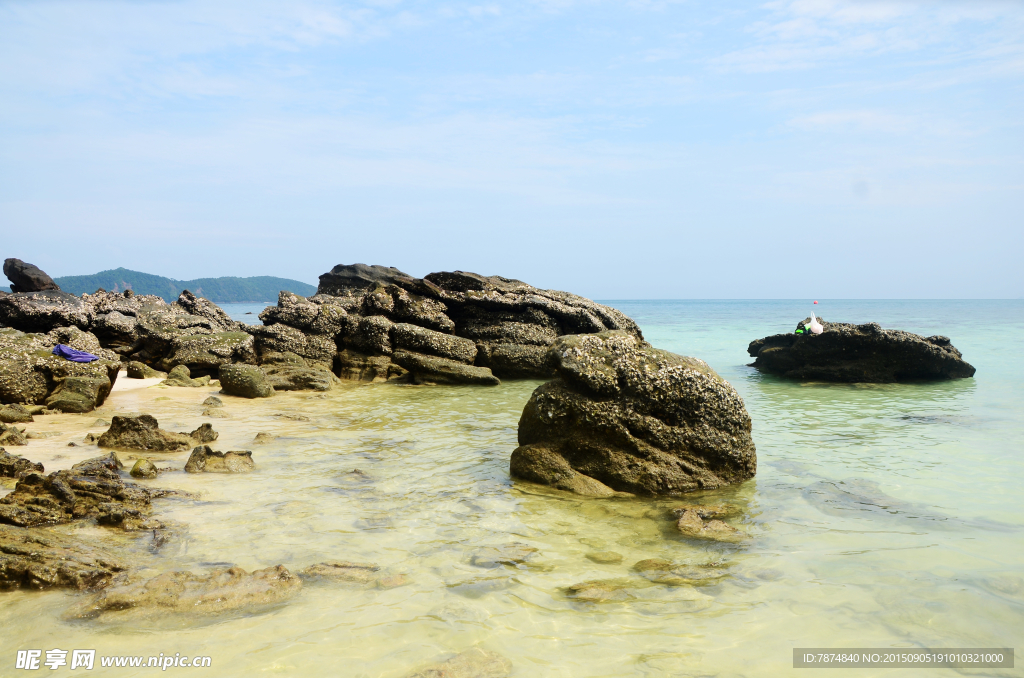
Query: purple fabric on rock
<point x="73" y="354"/>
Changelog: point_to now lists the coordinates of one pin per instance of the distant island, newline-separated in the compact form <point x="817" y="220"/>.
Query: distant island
<point x="226" y="289"/>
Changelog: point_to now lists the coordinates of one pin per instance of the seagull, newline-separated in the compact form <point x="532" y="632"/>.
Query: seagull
<point x="815" y="326"/>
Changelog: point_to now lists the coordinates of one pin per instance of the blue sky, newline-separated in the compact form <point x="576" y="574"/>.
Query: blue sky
<point x="786" y="149"/>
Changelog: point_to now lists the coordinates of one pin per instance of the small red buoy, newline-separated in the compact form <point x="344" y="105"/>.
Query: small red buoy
<point x="815" y="302"/>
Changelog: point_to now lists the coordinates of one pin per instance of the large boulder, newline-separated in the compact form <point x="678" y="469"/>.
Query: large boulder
<point x="30" y="373"/>
<point x="858" y="353"/>
<point x="27" y="277"/>
<point x="142" y="432"/>
<point x="623" y="416"/>
<point x="246" y="381"/>
<point x="290" y="372"/>
<point x="376" y="323"/>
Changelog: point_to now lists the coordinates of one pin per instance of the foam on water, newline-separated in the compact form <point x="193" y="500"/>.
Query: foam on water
<point x="881" y="515"/>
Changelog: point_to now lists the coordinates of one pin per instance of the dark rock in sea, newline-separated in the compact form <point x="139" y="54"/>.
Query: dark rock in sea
<point x="474" y="663"/>
<point x="246" y="381"/>
<point x="213" y="401"/>
<point x="205" y="460"/>
<point x="219" y="591"/>
<point x="40" y="559"/>
<point x="90" y="489"/>
<point x="30" y="373"/>
<point x="143" y="468"/>
<point x="13" y="466"/>
<point x="374" y="323"/>
<point x="628" y="417"/>
<point x="27" y="277"/>
<point x="858" y="353"/>
<point x="142" y="432"/>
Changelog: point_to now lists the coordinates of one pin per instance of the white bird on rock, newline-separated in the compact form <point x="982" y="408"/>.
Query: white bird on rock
<point x="815" y="327"/>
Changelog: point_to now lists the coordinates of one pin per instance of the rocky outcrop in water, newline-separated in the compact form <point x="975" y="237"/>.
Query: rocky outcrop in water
<point x="623" y="416"/>
<point x="41" y="559"/>
<point x="27" y="277"/>
<point x="90" y="489"/>
<point x="221" y="590"/>
<point x="205" y="460"/>
<point x="858" y="353"/>
<point x="142" y="432"/>
<point x="30" y="373"/>
<point x="374" y="323"/>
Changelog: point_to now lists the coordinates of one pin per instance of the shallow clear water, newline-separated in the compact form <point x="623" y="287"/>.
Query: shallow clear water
<point x="881" y="515"/>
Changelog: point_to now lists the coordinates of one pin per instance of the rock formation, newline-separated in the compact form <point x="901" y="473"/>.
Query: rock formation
<point x="142" y="432"/>
<point x="192" y="331"/>
<point x="623" y="416"/>
<point x="205" y="460"/>
<point x="858" y="353"/>
<point x="27" y="277"/>
<point x="40" y="559"/>
<point x="374" y="323"/>
<point x="90" y="489"/>
<point x="30" y="373"/>
<point x="13" y="466"/>
<point x="219" y="591"/>
<point x="245" y="381"/>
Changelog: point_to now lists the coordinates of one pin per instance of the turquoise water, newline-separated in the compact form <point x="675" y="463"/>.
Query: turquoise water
<point x="881" y="515"/>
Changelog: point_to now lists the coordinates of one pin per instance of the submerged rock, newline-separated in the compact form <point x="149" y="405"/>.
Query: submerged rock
<point x="205" y="460"/>
<point x="628" y="417"/>
<point x="474" y="663"/>
<point x="213" y="401"/>
<point x="219" y="591"/>
<point x="263" y="438"/>
<point x="13" y="466"/>
<point x="352" y="573"/>
<point x="246" y="381"/>
<point x="666" y="572"/>
<point x="142" y="432"/>
<point x="859" y="353"/>
<point x="508" y="554"/>
<point x="691" y="524"/>
<point x="605" y="557"/>
<point x="601" y="591"/>
<point x="40" y="559"/>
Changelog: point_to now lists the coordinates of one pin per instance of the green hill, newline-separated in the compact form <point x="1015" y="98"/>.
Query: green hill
<point x="256" y="289"/>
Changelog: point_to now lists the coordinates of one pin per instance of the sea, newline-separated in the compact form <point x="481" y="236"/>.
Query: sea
<point x="881" y="516"/>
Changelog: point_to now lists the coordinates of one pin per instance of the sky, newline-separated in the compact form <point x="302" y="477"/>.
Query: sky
<point x="618" y="150"/>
